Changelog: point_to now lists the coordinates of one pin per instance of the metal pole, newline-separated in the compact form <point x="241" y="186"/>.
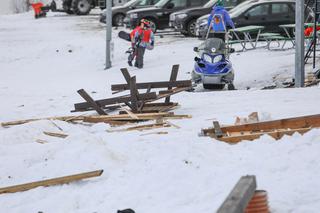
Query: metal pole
<point x="299" y="56"/>
<point x="108" y="33"/>
<point x="314" y="32"/>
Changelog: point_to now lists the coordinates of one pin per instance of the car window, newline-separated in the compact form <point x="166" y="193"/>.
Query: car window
<point x="280" y="9"/>
<point x="155" y="1"/>
<point x="230" y="3"/>
<point x="179" y="3"/>
<point x="143" y="3"/>
<point x="259" y="10"/>
<point x="197" y="3"/>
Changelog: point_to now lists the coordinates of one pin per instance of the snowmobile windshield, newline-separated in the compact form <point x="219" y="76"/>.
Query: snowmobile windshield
<point x="213" y="46"/>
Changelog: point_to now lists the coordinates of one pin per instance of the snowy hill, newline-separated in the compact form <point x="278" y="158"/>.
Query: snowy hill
<point x="44" y="62"/>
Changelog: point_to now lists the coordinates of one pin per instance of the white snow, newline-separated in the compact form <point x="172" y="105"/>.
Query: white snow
<point x="44" y="62"/>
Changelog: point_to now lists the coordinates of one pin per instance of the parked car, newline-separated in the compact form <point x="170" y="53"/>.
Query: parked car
<point x="159" y="14"/>
<point x="185" y="20"/>
<point x="267" y="13"/>
<point x="119" y="12"/>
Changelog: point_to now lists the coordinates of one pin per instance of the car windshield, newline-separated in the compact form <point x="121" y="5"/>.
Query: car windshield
<point x="161" y="3"/>
<point x="239" y="9"/>
<point x="210" y="3"/>
<point x="131" y="3"/>
<point x="142" y="3"/>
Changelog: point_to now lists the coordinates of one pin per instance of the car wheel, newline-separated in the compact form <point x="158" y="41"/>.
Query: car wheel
<point x="191" y="28"/>
<point x="81" y="7"/>
<point x="117" y="19"/>
<point x="153" y="25"/>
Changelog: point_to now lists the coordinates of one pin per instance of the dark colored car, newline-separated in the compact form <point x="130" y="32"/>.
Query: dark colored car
<point x="267" y="13"/>
<point x="159" y="14"/>
<point x="185" y="20"/>
<point x="119" y="12"/>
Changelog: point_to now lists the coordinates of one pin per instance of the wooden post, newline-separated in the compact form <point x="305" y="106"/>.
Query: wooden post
<point x="126" y="74"/>
<point x="91" y="102"/>
<point x="240" y="196"/>
<point x="50" y="182"/>
<point x="133" y="93"/>
<point x="173" y="78"/>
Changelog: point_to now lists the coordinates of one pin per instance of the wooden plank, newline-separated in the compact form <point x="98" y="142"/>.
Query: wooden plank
<point x="173" y="78"/>
<point x="290" y="123"/>
<point x="116" y="100"/>
<point x="160" y="84"/>
<point x="126" y="74"/>
<point x="62" y="118"/>
<point x="142" y="127"/>
<point x="133" y="94"/>
<point x="91" y="102"/>
<point x="240" y="196"/>
<point x="174" y="91"/>
<point x="55" y="134"/>
<point x="126" y="117"/>
<point x="50" y="182"/>
<point x="249" y="136"/>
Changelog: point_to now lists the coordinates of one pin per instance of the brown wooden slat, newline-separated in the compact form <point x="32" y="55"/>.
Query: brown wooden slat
<point x="133" y="94"/>
<point x="91" y="102"/>
<point x="173" y="78"/>
<point x="116" y="100"/>
<point x="160" y="84"/>
<point x="249" y="136"/>
<point x="290" y="123"/>
<point x="126" y="74"/>
<point x="50" y="182"/>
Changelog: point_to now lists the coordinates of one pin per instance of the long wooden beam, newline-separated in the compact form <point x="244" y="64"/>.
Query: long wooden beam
<point x="91" y="102"/>
<point x="289" y="123"/>
<point x="50" y="182"/>
<point x="146" y="85"/>
<point x="126" y="117"/>
<point x="116" y="100"/>
<point x="240" y="196"/>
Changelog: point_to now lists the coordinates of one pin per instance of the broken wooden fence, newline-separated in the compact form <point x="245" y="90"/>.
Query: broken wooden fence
<point x="276" y="129"/>
<point x="136" y="101"/>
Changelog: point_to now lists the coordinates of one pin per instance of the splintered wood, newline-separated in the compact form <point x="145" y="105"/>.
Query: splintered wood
<point x="111" y="119"/>
<point x="50" y="182"/>
<point x="251" y="131"/>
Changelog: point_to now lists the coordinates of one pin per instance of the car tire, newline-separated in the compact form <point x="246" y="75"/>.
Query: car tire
<point x="81" y="7"/>
<point x="117" y="19"/>
<point x="191" y="28"/>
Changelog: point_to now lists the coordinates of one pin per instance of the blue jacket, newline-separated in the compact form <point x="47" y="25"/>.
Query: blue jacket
<point x="218" y="12"/>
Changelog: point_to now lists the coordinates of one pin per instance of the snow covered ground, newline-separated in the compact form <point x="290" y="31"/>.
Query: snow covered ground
<point x="44" y="62"/>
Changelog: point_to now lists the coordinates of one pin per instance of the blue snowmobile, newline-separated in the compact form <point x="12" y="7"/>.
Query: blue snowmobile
<point x="213" y="68"/>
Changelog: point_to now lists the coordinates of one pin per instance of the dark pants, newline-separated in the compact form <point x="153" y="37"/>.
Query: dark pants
<point x="139" y="57"/>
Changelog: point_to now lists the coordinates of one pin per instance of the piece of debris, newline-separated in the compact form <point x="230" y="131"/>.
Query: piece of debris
<point x="155" y="133"/>
<point x="111" y="119"/>
<point x="55" y="134"/>
<point x="50" y="182"/>
<point x="252" y="118"/>
<point x="41" y="141"/>
<point x="251" y="131"/>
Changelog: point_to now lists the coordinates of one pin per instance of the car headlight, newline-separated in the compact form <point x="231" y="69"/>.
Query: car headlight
<point x="134" y="15"/>
<point x="181" y="16"/>
<point x="172" y="17"/>
<point x="203" y="22"/>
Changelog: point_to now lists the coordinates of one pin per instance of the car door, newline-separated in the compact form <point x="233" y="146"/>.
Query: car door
<point x="281" y="13"/>
<point x="170" y="7"/>
<point x="255" y="15"/>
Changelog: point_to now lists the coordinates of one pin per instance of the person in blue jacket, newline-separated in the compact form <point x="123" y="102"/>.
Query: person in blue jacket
<point x="220" y="21"/>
